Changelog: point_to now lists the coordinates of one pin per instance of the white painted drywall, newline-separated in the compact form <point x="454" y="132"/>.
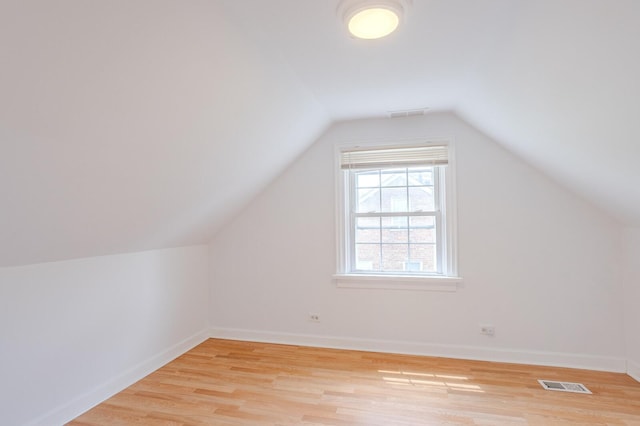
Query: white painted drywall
<point x="539" y="263"/>
<point x="631" y="298"/>
<point x="72" y="331"/>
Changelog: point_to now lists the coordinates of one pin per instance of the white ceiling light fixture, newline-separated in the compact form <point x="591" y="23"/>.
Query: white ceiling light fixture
<point x="372" y="19"/>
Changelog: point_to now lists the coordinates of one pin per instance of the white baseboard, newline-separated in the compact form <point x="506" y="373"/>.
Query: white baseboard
<point x="588" y="362"/>
<point x="84" y="402"/>
<point x="633" y="370"/>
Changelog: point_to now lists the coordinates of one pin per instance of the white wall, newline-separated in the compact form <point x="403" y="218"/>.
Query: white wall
<point x="540" y="264"/>
<point x="632" y="299"/>
<point x="73" y="332"/>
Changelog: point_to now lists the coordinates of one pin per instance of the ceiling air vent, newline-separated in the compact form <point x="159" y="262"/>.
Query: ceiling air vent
<point x="564" y="386"/>
<point x="408" y="112"/>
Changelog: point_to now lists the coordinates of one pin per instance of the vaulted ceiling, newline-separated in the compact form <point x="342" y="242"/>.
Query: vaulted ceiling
<point x="135" y="124"/>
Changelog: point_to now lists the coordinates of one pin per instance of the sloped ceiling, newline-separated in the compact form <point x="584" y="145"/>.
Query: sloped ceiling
<point x="555" y="81"/>
<point x="135" y="124"/>
<point x="129" y="125"/>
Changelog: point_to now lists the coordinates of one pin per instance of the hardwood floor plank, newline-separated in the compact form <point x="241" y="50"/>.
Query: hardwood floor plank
<point x="223" y="382"/>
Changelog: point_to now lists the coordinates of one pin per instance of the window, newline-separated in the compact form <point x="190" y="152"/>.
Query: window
<point x="396" y="212"/>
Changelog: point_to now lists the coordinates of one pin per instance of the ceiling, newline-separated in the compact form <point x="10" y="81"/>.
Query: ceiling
<point x="128" y="125"/>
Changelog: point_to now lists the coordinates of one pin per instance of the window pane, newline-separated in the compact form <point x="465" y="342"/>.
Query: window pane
<point x="394" y="200"/>
<point x="421" y="199"/>
<point x="413" y="266"/>
<point x="426" y="254"/>
<point x="420" y="176"/>
<point x="395" y="230"/>
<point x="394" y="256"/>
<point x="394" y="177"/>
<point x="367" y="230"/>
<point x="368" y="179"/>
<point x="367" y="257"/>
<point x="368" y="200"/>
<point x="422" y="229"/>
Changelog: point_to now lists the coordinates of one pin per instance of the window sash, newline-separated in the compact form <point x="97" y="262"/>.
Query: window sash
<point x="353" y="216"/>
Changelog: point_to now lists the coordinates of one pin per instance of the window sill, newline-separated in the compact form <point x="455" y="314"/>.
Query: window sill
<point x="397" y="282"/>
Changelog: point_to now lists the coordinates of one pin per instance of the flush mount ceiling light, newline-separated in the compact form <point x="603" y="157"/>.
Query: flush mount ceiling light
<point x="372" y="19"/>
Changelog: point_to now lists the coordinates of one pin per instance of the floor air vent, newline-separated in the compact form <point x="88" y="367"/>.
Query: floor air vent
<point x="564" y="386"/>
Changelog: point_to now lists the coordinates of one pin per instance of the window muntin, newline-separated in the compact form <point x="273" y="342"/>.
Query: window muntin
<point x="395" y="220"/>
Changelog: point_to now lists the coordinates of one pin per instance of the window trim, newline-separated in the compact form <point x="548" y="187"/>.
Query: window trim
<point x="449" y="279"/>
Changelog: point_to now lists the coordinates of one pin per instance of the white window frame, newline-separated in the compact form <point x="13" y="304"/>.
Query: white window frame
<point x="448" y="279"/>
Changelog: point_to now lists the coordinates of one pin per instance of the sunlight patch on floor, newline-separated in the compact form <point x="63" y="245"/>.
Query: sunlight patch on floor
<point x="450" y="382"/>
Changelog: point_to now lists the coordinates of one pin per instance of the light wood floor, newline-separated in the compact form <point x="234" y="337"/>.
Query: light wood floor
<point x="223" y="382"/>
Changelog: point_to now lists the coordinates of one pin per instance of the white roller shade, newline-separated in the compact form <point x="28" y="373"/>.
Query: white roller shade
<point x="428" y="155"/>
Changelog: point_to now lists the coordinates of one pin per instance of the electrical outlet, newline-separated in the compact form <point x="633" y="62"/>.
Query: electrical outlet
<point x="314" y="317"/>
<point x="487" y="330"/>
